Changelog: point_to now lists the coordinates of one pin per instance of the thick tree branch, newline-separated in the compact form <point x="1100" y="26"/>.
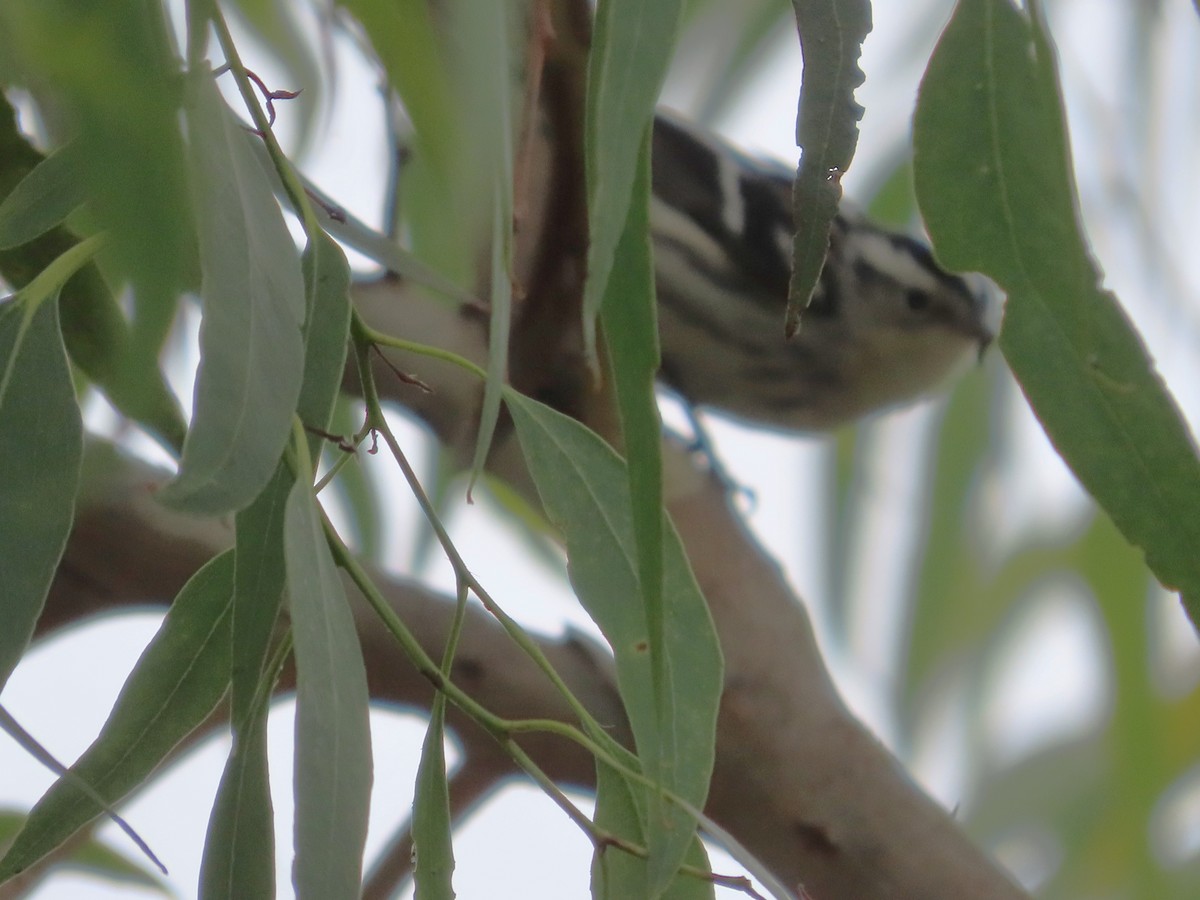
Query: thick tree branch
<point x="798" y="781"/>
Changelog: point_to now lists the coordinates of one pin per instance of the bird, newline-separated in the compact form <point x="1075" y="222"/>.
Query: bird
<point x="885" y="326"/>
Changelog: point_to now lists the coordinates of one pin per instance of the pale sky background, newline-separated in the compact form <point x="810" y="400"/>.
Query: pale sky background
<point x="520" y="845"/>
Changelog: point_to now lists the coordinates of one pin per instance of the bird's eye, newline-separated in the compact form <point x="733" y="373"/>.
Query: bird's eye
<point x="918" y="301"/>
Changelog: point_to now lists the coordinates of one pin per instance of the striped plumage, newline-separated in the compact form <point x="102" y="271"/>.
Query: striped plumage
<point x="885" y="325"/>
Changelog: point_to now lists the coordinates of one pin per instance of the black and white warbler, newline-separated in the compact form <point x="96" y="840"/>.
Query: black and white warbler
<point x="885" y="325"/>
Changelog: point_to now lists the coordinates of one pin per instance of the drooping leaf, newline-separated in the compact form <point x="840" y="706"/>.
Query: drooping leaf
<point x="433" y="850"/>
<point x="111" y="76"/>
<point x="993" y="176"/>
<point x="621" y="808"/>
<point x="258" y="587"/>
<point x="831" y="35"/>
<point x="360" y="236"/>
<point x="406" y="42"/>
<point x="252" y="356"/>
<point x="484" y="76"/>
<point x="239" y="849"/>
<point x="631" y="336"/>
<point x="95" y="858"/>
<point x="94" y="329"/>
<point x="631" y="48"/>
<point x="41" y="445"/>
<point x="44" y="198"/>
<point x="333" y="739"/>
<point x="584" y="488"/>
<point x="176" y="684"/>
<point x="326" y="331"/>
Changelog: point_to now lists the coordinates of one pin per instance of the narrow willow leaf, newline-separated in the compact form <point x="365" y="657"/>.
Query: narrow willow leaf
<point x="360" y="236"/>
<point x="486" y="73"/>
<point x="356" y="488"/>
<point x="110" y="74"/>
<point x="831" y="35"/>
<point x="252" y="357"/>
<point x="41" y="446"/>
<point x="403" y="35"/>
<point x="326" y="330"/>
<point x="631" y="336"/>
<point x="258" y="587"/>
<point x="631" y="49"/>
<point x="95" y="859"/>
<point x="34" y="748"/>
<point x="176" y="684"/>
<point x="239" y="849"/>
<point x="44" y="198"/>
<point x="94" y="329"/>
<point x="584" y="488"/>
<point x="433" y="850"/>
<point x="622" y="807"/>
<point x="333" y="729"/>
<point x="993" y="176"/>
<point x="616" y="874"/>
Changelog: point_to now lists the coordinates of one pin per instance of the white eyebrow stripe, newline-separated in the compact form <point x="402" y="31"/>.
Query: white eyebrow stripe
<point x="733" y="204"/>
<point x="882" y="254"/>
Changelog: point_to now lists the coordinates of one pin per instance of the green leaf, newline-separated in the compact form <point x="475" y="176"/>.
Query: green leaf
<point x="239" y="849"/>
<point x="631" y="49"/>
<point x="44" y="198"/>
<point x="110" y="76"/>
<point x="621" y="808"/>
<point x="433" y="850"/>
<point x="252" y="357"/>
<point x="831" y="36"/>
<point x="993" y="176"/>
<point x="403" y="35"/>
<point x="357" y="488"/>
<point x="355" y="233"/>
<point x="326" y="331"/>
<point x="258" y="587"/>
<point x="176" y="684"/>
<point x="584" y="488"/>
<point x="41" y="446"/>
<point x="485" y="78"/>
<point x="94" y="858"/>
<point x="93" y="327"/>
<point x="333" y="729"/>
<point x="631" y="336"/>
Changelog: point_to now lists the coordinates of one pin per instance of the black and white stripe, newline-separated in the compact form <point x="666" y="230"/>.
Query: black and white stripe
<point x="886" y="322"/>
